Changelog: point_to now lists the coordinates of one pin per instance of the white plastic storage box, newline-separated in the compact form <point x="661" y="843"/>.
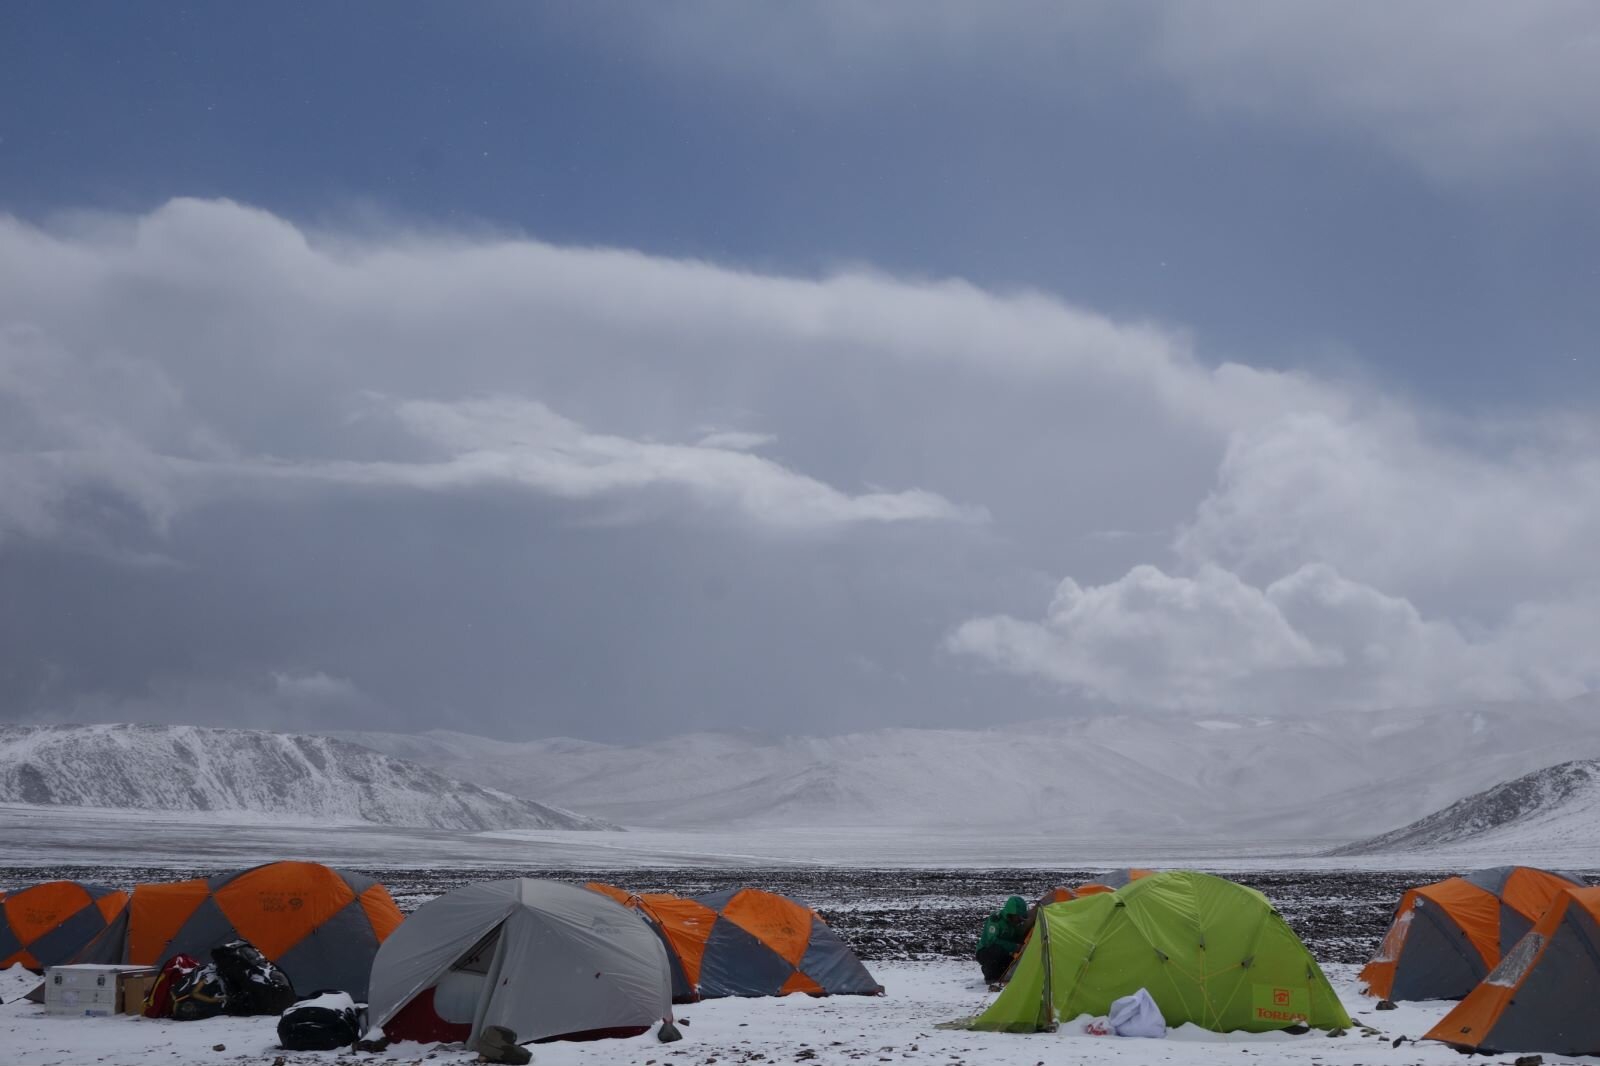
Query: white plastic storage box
<point x="86" y="989"/>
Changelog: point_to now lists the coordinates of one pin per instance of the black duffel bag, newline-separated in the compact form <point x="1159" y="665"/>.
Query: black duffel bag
<point x="322" y="1022"/>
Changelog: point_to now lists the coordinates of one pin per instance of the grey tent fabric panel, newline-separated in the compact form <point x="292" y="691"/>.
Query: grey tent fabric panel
<point x="1513" y="927"/>
<point x="1553" y="1011"/>
<point x="358" y="883"/>
<point x="735" y="963"/>
<point x="9" y="944"/>
<point x="428" y="943"/>
<point x="574" y="961"/>
<point x="1437" y="961"/>
<point x="63" y="942"/>
<point x="206" y="928"/>
<point x="1491" y="880"/>
<point x="717" y="900"/>
<point x="830" y="963"/>
<point x="335" y="955"/>
<point x="110" y="945"/>
<point x="682" y="991"/>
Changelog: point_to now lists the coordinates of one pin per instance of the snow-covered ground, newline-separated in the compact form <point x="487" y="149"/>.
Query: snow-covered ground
<point x="36" y="836"/>
<point x="1137" y="775"/>
<point x="899" y="1027"/>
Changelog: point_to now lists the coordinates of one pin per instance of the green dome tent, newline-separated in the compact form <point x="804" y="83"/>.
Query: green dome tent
<point x="1209" y="951"/>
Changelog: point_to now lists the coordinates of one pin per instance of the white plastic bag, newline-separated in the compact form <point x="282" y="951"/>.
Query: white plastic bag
<point x="1137" y="1015"/>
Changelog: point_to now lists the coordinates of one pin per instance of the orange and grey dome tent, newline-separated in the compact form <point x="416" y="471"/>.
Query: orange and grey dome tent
<point x="1112" y="880"/>
<point x="1446" y="936"/>
<point x="1107" y="882"/>
<point x="50" y="923"/>
<point x="1541" y="995"/>
<point x="746" y="942"/>
<point x="320" y="926"/>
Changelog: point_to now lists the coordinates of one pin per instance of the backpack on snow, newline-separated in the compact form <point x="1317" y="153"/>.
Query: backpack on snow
<point x="323" y="1021"/>
<point x="199" y="994"/>
<point x="158" y="1001"/>
<point x="254" y="985"/>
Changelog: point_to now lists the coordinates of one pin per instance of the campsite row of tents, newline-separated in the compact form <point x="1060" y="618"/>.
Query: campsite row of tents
<point x="502" y="953"/>
<point x="1519" y="947"/>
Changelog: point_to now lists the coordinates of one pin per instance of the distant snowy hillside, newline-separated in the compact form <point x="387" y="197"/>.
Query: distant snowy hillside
<point x="1549" y="807"/>
<point x="303" y="778"/>
<point x="1328" y="778"/>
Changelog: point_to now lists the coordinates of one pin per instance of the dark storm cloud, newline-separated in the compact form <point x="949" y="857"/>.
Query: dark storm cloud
<point x="275" y="474"/>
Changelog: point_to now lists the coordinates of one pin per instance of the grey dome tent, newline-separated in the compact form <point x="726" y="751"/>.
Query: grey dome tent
<point x="544" y="959"/>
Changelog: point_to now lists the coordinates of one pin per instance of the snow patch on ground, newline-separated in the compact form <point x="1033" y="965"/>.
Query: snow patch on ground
<point x="898" y="1027"/>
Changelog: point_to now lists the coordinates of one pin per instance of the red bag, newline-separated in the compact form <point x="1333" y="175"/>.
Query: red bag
<point x="158" y="1001"/>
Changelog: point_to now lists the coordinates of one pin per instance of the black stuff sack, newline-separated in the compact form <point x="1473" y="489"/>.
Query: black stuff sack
<point x="254" y="985"/>
<point x="326" y="1021"/>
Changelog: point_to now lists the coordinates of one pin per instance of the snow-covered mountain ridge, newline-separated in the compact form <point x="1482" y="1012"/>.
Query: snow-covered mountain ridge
<point x="1548" y="807"/>
<point x="1334" y="777"/>
<point x="294" y="777"/>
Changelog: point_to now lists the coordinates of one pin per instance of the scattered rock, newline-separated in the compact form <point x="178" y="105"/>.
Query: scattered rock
<point x="219" y="1047"/>
<point x="1530" y="1060"/>
<point x="1335" y="1032"/>
<point x="1386" y="1004"/>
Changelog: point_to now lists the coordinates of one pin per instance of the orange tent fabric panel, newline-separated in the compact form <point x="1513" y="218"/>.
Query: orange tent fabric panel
<point x="1378" y="975"/>
<point x="621" y="895"/>
<point x="801" y="983"/>
<point x="1530" y="892"/>
<point x="35" y="911"/>
<point x="381" y="911"/>
<point x="275" y="907"/>
<point x="156" y="913"/>
<point x="781" y="924"/>
<point x="1475" y="910"/>
<point x="687" y="926"/>
<point x="111" y="904"/>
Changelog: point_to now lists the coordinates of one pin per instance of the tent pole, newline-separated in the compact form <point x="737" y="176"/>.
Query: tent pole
<point x="1047" y="1009"/>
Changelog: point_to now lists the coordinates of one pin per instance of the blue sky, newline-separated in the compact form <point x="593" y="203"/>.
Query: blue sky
<point x="585" y="368"/>
<point x="1278" y="239"/>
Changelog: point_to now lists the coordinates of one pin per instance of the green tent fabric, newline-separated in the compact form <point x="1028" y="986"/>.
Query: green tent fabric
<point x="1209" y="951"/>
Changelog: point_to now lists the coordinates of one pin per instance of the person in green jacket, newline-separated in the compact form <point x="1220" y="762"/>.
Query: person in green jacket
<point x="1003" y="934"/>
